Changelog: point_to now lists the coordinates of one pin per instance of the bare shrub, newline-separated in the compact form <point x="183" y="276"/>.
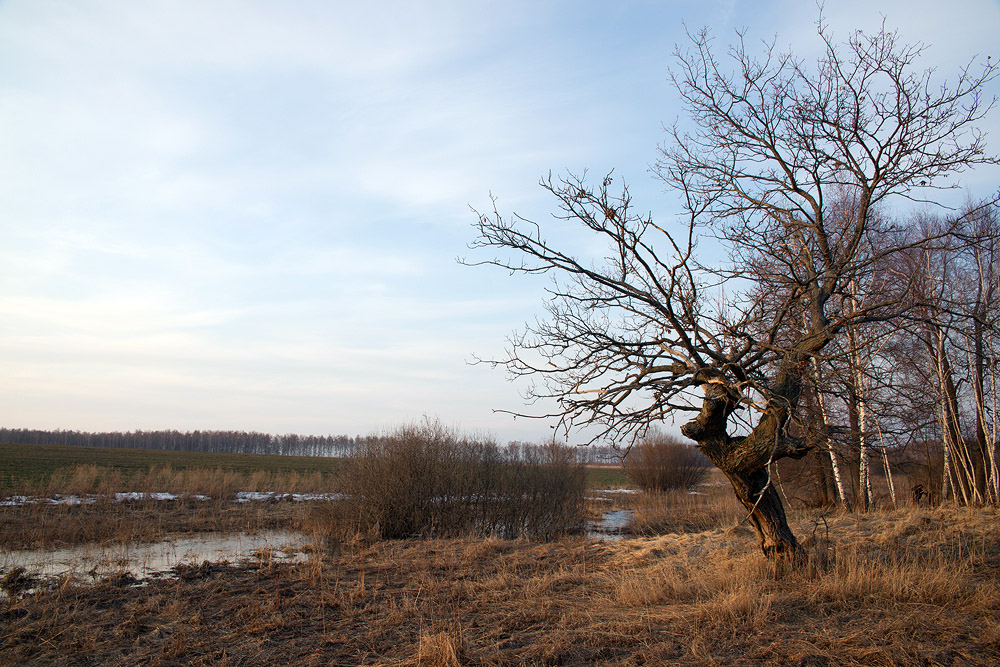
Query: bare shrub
<point x="662" y="462"/>
<point x="428" y="480"/>
<point x="544" y="494"/>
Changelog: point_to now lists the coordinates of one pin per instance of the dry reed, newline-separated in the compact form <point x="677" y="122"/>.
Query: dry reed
<point x="93" y="480"/>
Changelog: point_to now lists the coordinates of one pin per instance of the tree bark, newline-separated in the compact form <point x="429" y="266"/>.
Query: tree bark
<point x="979" y="453"/>
<point x="746" y="460"/>
<point x="834" y="465"/>
<point x="823" y="481"/>
<point x="766" y="514"/>
<point x="955" y="461"/>
<point x="859" y="415"/>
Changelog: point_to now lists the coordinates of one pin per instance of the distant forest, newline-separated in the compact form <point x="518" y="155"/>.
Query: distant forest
<point x="234" y="442"/>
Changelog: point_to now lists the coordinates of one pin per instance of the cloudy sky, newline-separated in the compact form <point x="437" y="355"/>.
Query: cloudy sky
<point x="238" y="214"/>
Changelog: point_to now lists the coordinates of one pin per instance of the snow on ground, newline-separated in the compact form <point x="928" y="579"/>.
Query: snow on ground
<point x="136" y="496"/>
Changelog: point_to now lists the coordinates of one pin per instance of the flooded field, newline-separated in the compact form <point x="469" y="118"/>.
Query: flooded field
<point x="138" y="562"/>
<point x="611" y="525"/>
<point x="133" y="555"/>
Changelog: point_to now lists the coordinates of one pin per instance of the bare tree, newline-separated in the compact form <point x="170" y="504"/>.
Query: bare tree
<point x="957" y="330"/>
<point x="771" y="145"/>
<point x="982" y="285"/>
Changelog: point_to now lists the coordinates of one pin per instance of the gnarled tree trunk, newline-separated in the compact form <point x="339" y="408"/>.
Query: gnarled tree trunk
<point x="746" y="460"/>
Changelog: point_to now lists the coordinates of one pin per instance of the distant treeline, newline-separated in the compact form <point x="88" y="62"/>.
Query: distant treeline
<point x="602" y="454"/>
<point x="235" y="442"/>
<point x="244" y="442"/>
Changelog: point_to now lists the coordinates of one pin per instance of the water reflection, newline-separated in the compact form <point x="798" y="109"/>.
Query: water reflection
<point x="611" y="525"/>
<point x="144" y="561"/>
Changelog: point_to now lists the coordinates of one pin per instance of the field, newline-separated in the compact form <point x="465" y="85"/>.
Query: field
<point x="913" y="586"/>
<point x="32" y="465"/>
<point x="605" y="476"/>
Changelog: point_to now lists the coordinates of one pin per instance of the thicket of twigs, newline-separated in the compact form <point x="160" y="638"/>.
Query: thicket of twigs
<point x="428" y="480"/>
<point x="662" y="462"/>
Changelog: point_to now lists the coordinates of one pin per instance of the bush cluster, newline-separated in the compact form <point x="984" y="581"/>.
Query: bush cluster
<point x="429" y="481"/>
<point x="662" y="462"/>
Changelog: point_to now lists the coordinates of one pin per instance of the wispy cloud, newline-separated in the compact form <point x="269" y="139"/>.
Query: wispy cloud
<point x="246" y="214"/>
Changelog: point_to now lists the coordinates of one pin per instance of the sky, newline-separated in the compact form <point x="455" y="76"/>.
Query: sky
<point x="247" y="215"/>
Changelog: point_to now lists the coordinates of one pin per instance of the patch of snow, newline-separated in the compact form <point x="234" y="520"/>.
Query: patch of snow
<point x="59" y="499"/>
<point x="141" y="495"/>
<point x="306" y="497"/>
<point x="162" y="496"/>
<point x="249" y="496"/>
<point x="274" y="496"/>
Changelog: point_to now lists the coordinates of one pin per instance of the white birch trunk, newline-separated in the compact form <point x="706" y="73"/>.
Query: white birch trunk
<point x="863" y="467"/>
<point x="888" y="476"/>
<point x="834" y="465"/>
<point x="864" y="474"/>
<point x="994" y="434"/>
<point x="950" y="447"/>
<point x="854" y="360"/>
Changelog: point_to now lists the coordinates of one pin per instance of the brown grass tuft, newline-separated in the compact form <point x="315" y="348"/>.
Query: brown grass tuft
<point x="439" y="650"/>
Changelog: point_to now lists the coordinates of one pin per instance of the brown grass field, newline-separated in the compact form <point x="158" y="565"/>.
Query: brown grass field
<point x="913" y="586"/>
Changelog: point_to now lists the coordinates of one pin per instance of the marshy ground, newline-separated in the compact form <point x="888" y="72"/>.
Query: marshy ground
<point x="915" y="586"/>
<point x="685" y="585"/>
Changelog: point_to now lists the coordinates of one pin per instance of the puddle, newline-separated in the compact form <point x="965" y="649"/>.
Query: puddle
<point x="611" y="525"/>
<point x="145" y="561"/>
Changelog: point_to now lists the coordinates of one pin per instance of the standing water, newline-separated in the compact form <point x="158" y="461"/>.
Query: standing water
<point x="144" y="561"/>
<point x="611" y="525"/>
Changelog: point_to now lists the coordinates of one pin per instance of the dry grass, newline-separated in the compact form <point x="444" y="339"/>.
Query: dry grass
<point x="708" y="506"/>
<point x="31" y="466"/>
<point x="439" y="650"/>
<point x="46" y="526"/>
<point x="217" y="483"/>
<point x="103" y="521"/>
<point x="914" y="587"/>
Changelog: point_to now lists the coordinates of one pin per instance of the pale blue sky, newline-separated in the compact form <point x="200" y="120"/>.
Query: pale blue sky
<point x="245" y="215"/>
